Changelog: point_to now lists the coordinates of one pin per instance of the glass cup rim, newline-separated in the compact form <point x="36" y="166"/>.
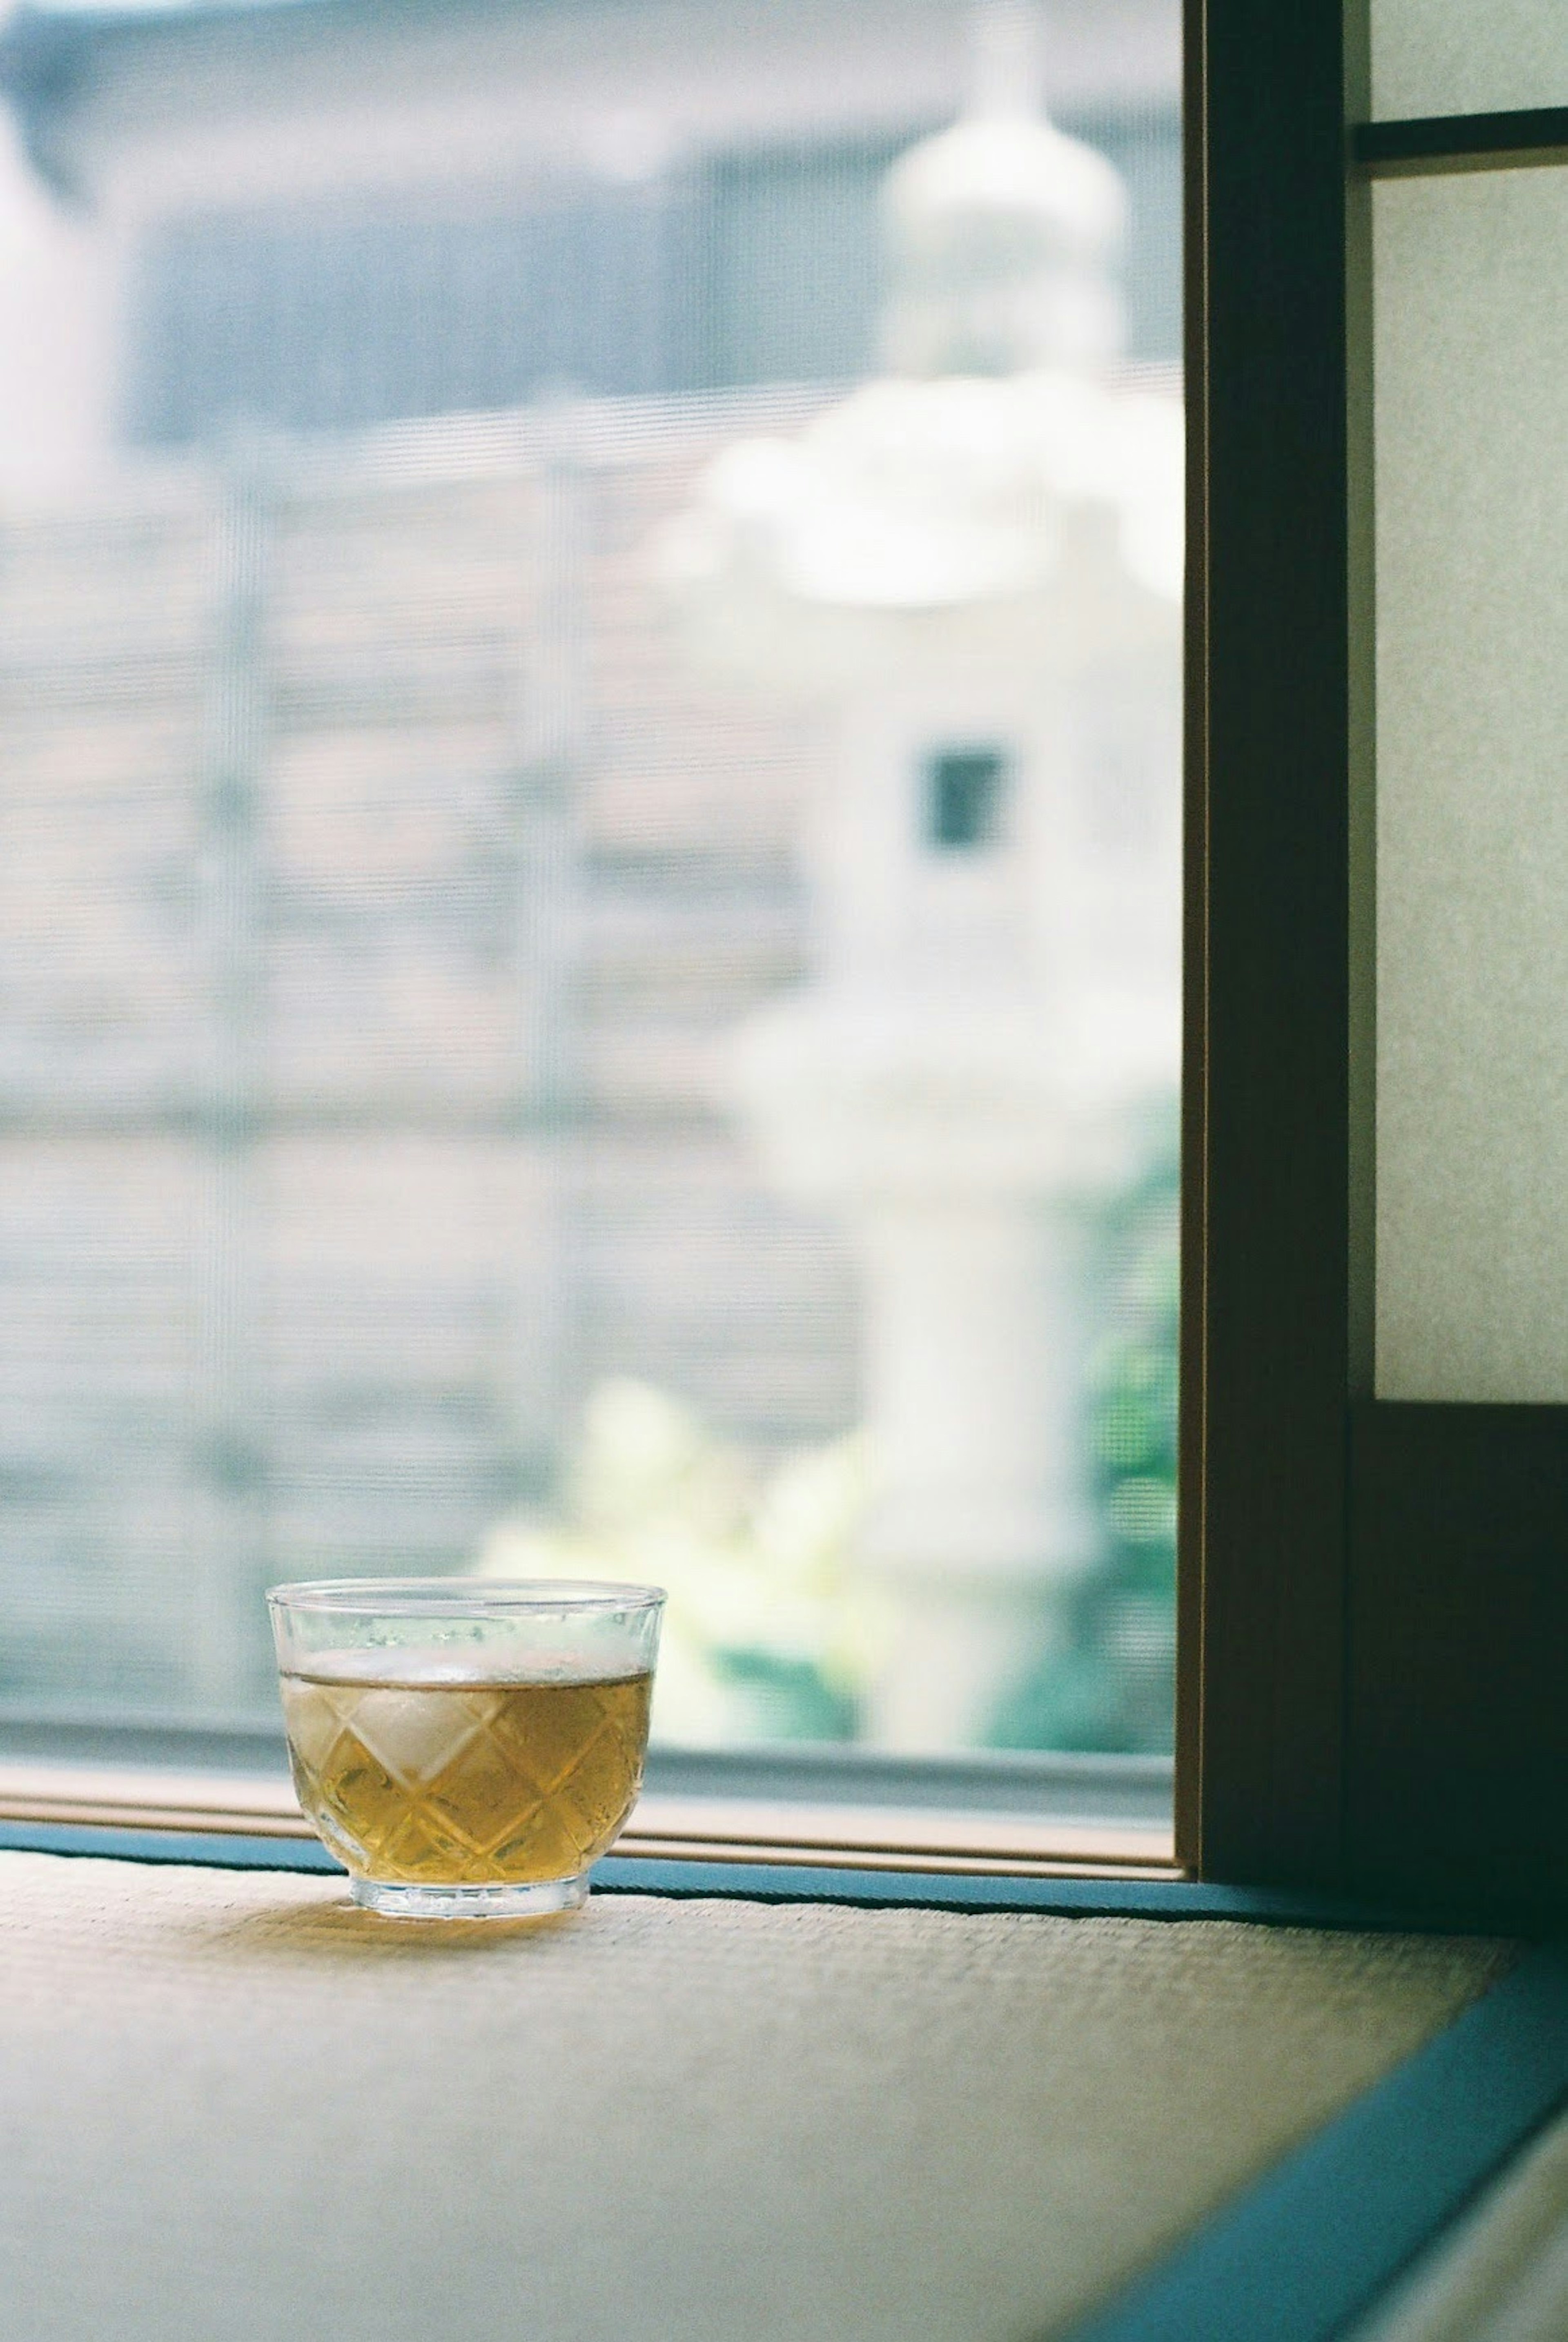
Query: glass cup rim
<point x="463" y="1598"/>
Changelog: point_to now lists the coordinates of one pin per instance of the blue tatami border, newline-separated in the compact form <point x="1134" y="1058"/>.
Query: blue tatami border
<point x="764" y="1882"/>
<point x="1316" y="2243"/>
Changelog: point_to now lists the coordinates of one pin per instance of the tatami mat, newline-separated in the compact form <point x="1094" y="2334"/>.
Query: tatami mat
<point x="236" y="2110"/>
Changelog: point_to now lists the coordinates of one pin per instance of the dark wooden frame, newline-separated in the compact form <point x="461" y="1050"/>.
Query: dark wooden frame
<point x="1260" y="1726"/>
<point x="1373" y="1598"/>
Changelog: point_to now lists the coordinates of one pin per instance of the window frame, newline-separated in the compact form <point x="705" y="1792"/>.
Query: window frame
<point x="41" y="116"/>
<point x="1265" y="1268"/>
<point x="1321" y="1741"/>
<point x="1373" y="1595"/>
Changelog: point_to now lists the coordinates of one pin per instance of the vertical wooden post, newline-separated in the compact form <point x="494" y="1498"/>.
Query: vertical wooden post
<point x="1262" y="1649"/>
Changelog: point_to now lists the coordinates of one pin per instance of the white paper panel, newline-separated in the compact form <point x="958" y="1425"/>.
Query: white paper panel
<point x="1472" y="301"/>
<point x="1467" y="56"/>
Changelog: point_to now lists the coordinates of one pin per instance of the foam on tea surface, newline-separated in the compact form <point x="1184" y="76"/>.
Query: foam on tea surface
<point x="433" y="1767"/>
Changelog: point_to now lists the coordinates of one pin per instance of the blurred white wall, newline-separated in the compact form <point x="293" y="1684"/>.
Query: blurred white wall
<point x="60" y="282"/>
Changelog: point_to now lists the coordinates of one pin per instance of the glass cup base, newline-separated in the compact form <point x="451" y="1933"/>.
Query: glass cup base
<point x="498" y="1902"/>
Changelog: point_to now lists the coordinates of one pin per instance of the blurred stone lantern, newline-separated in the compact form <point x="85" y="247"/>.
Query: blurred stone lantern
<point x="974" y="561"/>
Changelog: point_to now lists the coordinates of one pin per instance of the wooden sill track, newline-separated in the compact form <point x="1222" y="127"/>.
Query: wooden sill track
<point x="662" y="1828"/>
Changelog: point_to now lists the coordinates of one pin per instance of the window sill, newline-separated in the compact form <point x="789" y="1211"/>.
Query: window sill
<point x="664" y="1826"/>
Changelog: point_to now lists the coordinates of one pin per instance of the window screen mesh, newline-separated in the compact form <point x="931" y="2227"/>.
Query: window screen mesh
<point x="395" y="894"/>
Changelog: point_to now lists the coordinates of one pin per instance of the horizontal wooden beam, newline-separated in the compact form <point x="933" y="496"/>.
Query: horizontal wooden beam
<point x="1460" y="142"/>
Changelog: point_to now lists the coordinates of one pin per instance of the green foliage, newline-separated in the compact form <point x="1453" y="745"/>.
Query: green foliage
<point x="771" y="1631"/>
<point x="767" y="1633"/>
<point x="1109" y="1685"/>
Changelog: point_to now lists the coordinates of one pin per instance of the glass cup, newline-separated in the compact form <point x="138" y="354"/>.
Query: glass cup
<point x="467" y="1746"/>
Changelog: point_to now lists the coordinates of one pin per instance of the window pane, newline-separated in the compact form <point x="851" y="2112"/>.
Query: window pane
<point x="1472" y="373"/>
<point x="1440" y="56"/>
<point x="590" y="655"/>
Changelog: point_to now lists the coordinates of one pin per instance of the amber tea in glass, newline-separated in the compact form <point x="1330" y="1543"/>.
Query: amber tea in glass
<point x="467" y="1747"/>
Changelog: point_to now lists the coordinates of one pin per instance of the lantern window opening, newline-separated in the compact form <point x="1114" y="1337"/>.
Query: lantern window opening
<point x="964" y="790"/>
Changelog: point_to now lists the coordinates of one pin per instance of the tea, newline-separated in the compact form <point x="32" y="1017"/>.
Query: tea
<point x="430" y="1779"/>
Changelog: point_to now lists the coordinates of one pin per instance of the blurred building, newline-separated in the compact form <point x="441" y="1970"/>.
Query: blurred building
<point x="379" y="889"/>
<point x="321" y="213"/>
